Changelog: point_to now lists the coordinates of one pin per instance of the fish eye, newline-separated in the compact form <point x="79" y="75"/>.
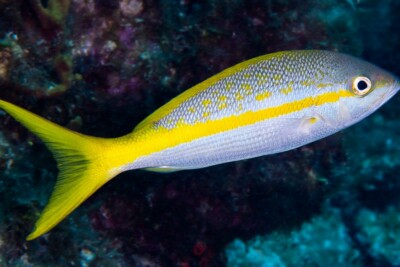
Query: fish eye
<point x="361" y="85"/>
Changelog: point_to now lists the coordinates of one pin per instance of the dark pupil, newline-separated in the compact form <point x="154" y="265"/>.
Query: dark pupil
<point x="362" y="85"/>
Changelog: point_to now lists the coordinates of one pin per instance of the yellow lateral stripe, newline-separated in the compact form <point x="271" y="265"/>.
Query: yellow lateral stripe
<point x="184" y="133"/>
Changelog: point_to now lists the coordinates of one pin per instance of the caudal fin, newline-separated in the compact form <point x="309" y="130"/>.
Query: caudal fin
<point x="83" y="166"/>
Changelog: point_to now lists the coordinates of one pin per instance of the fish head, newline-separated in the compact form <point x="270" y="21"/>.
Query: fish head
<point x="366" y="88"/>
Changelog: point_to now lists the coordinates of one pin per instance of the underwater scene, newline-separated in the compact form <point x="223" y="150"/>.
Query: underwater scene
<point x="259" y="165"/>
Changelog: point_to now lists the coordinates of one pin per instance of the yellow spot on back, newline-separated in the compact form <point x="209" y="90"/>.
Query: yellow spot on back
<point x="249" y="92"/>
<point x="262" y="96"/>
<point x="307" y="83"/>
<point x="192" y="109"/>
<point x="246" y="86"/>
<point x="323" y="85"/>
<point x="261" y="82"/>
<point x="262" y="78"/>
<point x="260" y="75"/>
<point x="206" y="114"/>
<point x="180" y="122"/>
<point x="287" y="90"/>
<point x="223" y="98"/>
<point x="229" y="86"/>
<point x="239" y="96"/>
<point x="222" y="106"/>
<point x="288" y="68"/>
<point x="277" y="77"/>
<point x="206" y="102"/>
<point x="247" y="75"/>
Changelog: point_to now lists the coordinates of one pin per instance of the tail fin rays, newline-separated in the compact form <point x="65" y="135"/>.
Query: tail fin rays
<point x="82" y="166"/>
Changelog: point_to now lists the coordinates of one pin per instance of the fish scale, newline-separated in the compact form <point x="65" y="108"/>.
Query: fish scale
<point x="265" y="105"/>
<point x="261" y="79"/>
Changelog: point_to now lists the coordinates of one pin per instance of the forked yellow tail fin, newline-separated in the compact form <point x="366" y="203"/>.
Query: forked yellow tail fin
<point x="81" y="161"/>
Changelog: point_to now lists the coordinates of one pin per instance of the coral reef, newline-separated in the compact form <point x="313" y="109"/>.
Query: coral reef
<point x="100" y="67"/>
<point x="325" y="241"/>
<point x="321" y="242"/>
<point x="381" y="230"/>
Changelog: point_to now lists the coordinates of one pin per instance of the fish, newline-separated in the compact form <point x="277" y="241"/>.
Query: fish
<point x="266" y="105"/>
